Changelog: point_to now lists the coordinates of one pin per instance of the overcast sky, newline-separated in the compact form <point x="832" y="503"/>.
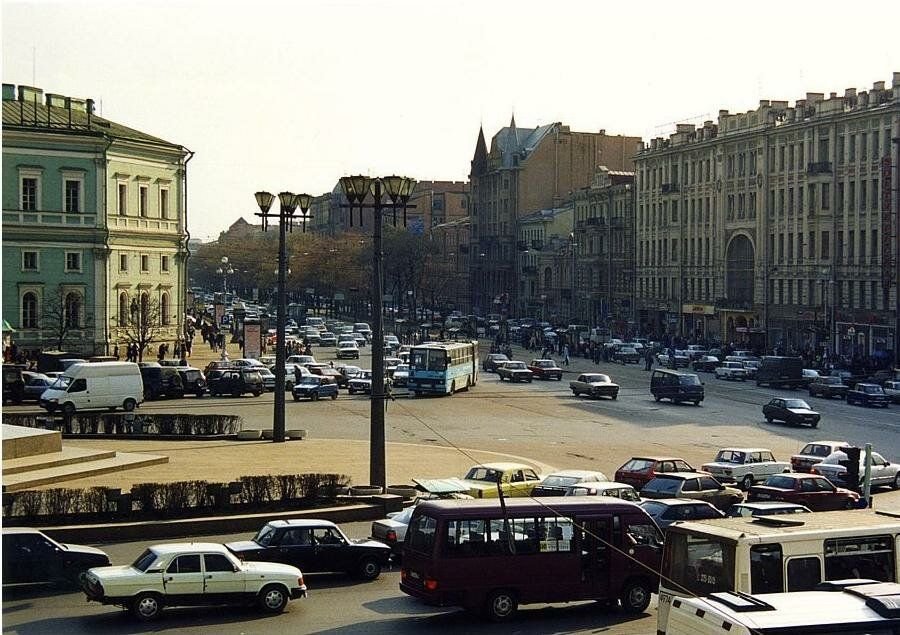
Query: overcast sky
<point x="293" y="95"/>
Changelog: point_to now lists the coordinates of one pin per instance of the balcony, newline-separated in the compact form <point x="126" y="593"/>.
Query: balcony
<point x="820" y="167"/>
<point x="522" y="245"/>
<point x="668" y="188"/>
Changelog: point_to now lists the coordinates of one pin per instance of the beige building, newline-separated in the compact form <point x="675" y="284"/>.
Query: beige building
<point x="546" y="261"/>
<point x="527" y="170"/>
<point x="774" y="227"/>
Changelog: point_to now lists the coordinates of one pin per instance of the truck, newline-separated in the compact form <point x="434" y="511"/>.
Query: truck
<point x="784" y="372"/>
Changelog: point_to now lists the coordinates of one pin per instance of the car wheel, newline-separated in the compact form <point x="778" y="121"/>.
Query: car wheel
<point x="849" y="505"/>
<point x="314" y="396"/>
<point x="575" y="392"/>
<point x="636" y="596"/>
<point x="747" y="482"/>
<point x="257" y="393"/>
<point x="146" y="606"/>
<point x="273" y="599"/>
<point x="615" y="395"/>
<point x="369" y="569"/>
<point x="334" y="396"/>
<point x="129" y="405"/>
<point x="896" y="482"/>
<point x="500" y="606"/>
<point x="696" y="402"/>
<point x="656" y="398"/>
<point x="769" y="419"/>
<point x="68" y="409"/>
<point x="814" y="424"/>
<point x="351" y="391"/>
<point x="530" y="380"/>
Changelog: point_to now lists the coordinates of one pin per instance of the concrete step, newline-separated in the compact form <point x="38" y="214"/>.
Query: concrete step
<point x="19" y="441"/>
<point x="66" y="456"/>
<point x="52" y="475"/>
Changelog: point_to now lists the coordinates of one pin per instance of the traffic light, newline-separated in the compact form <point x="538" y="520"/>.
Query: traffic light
<point x="852" y="465"/>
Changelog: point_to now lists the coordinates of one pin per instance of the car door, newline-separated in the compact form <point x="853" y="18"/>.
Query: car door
<point x="183" y="578"/>
<point x="881" y="474"/>
<point x="295" y="546"/>
<point x="220" y="580"/>
<point x="712" y="492"/>
<point x="17" y="559"/>
<point x="690" y="488"/>
<point x="331" y="550"/>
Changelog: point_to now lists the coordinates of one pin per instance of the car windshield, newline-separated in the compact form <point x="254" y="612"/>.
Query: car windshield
<point x="795" y="403"/>
<point x="515" y="365"/>
<point x="485" y="474"/>
<point x="312" y="380"/>
<point x="596" y="379"/>
<point x="144" y="560"/>
<point x="663" y="485"/>
<point x="401" y="368"/>
<point x="872" y="390"/>
<point x="62" y="382"/>
<point x="730" y="456"/>
<point x="265" y="536"/>
<point x="836" y="457"/>
<point x="637" y="465"/>
<point x="784" y="482"/>
<point x="688" y="380"/>
<point x="560" y="481"/>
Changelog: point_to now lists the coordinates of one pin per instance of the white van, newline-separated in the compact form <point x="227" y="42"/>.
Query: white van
<point x="95" y="386"/>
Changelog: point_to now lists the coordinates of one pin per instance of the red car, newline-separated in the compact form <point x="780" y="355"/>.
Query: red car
<point x="811" y="490"/>
<point x="640" y="470"/>
<point x="545" y="369"/>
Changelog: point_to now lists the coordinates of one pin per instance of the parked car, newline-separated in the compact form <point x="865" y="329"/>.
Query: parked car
<point x="346" y="374"/>
<point x="555" y="484"/>
<point x="192" y="380"/>
<point x="883" y="472"/>
<point x="604" y="488"/>
<point x="745" y="466"/>
<point x="545" y="369"/>
<point x="268" y="378"/>
<point x="361" y="383"/>
<point x="35" y="385"/>
<point x="492" y="361"/>
<point x="665" y="511"/>
<point x="791" y="411"/>
<point x="514" y="371"/>
<point x="892" y="390"/>
<point x="677" y="386"/>
<point x="392" y="530"/>
<point x="95" y="386"/>
<point x="640" y="470"/>
<point x="314" y="546"/>
<point x="30" y="556"/>
<point x="681" y="359"/>
<point x="694" y="485"/>
<point x="191" y="574"/>
<point x="731" y="370"/>
<point x="706" y="364"/>
<point x="766" y="508"/>
<point x="400" y="378"/>
<point x="808" y="376"/>
<point x="347" y="350"/>
<point x="751" y="367"/>
<point x="299" y="360"/>
<point x="481" y="481"/>
<point x="13" y="383"/>
<point x="390" y="364"/>
<point x="324" y="370"/>
<point x="868" y="395"/>
<point x="828" y="387"/>
<point x="327" y="339"/>
<point x="594" y="385"/>
<point x="235" y="382"/>
<point x="314" y="388"/>
<point x="161" y="381"/>
<point x="814" y="491"/>
<point x="813" y="453"/>
<point x="627" y="355"/>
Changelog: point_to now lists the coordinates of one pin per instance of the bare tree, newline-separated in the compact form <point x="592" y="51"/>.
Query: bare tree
<point x="64" y="317"/>
<point x="143" y="324"/>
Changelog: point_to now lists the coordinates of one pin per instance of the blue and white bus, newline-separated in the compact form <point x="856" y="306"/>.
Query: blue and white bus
<point x="442" y="368"/>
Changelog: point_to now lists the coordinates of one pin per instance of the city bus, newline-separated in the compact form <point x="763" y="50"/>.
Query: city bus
<point x="442" y="368"/>
<point x="488" y="556"/>
<point x="775" y="554"/>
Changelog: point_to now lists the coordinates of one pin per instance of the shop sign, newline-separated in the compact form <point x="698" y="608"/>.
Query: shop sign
<point x="887" y="263"/>
<point x="698" y="309"/>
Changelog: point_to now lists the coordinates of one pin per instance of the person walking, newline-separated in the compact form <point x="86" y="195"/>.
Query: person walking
<point x="566" y="354"/>
<point x="648" y="359"/>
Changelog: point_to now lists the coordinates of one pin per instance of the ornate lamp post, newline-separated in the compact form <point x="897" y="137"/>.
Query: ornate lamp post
<point x="225" y="270"/>
<point x="397" y="189"/>
<point x="289" y="203"/>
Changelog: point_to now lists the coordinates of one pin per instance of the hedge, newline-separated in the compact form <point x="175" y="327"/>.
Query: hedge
<point x="117" y="423"/>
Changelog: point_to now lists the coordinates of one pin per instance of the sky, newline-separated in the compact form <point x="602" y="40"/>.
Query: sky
<point x="293" y="95"/>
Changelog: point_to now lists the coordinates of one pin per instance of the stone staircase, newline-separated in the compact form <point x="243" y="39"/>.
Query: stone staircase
<point x="33" y="457"/>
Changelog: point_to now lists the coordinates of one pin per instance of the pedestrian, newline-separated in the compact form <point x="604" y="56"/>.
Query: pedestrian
<point x="116" y="351"/>
<point x="566" y="354"/>
<point x="177" y="349"/>
<point x="648" y="359"/>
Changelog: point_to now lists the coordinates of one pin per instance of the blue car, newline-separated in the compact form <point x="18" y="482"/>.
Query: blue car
<point x="314" y="387"/>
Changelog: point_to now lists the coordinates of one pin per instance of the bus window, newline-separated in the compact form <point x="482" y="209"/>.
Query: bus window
<point x="421" y="534"/>
<point x="869" y="557"/>
<point x="766" y="569"/>
<point x="700" y="564"/>
<point x="803" y="574"/>
<point x="466" y="538"/>
<point x="644" y="534"/>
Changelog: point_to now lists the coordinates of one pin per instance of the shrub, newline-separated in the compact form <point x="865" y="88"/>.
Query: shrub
<point x="257" y="489"/>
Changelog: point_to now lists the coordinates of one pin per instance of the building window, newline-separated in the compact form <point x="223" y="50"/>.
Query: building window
<point x="145" y="263"/>
<point x="142" y="200"/>
<point x="826" y="196"/>
<point x="73" y="261"/>
<point x="851" y="149"/>
<point x="874" y="193"/>
<point x="144" y="309"/>
<point x="123" y="262"/>
<point x="29" y="305"/>
<point x="164" y="309"/>
<point x="164" y="264"/>
<point x="123" y="309"/>
<point x="123" y="199"/>
<point x="826" y="245"/>
<point x="164" y="203"/>
<point x="29" y="188"/>
<point x="72" y="196"/>
<point x="863" y="202"/>
<point x="72" y="310"/>
<point x="30" y="261"/>
<point x="851" y="198"/>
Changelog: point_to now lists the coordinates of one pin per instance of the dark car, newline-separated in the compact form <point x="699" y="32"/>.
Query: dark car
<point x="815" y="492"/>
<point x="30" y="556"/>
<point x="640" y="470"/>
<point x="492" y="361"/>
<point x="694" y="485"/>
<point x="35" y="385"/>
<point x="545" y="369"/>
<point x="677" y="386"/>
<point x="314" y="546"/>
<point x="828" y="387"/>
<point x="627" y="355"/>
<point x="314" y="387"/>
<point x="514" y="371"/>
<point x="13" y="384"/>
<point x="193" y="380"/>
<point x="234" y="381"/>
<point x="706" y="364"/>
<point x="665" y="511"/>
<point x="868" y="395"/>
<point x="161" y="381"/>
<point x="792" y="411"/>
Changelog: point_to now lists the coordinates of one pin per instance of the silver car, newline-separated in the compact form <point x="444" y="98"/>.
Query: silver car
<point x="883" y="471"/>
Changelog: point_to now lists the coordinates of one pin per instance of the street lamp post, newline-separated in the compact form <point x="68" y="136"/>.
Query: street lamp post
<point x="225" y="270"/>
<point x="358" y="189"/>
<point x="289" y="203"/>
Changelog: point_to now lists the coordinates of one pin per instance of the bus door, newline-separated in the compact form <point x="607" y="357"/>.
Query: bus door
<point x="596" y="555"/>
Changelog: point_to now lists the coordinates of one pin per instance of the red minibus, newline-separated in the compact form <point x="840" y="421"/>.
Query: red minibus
<point x="470" y="553"/>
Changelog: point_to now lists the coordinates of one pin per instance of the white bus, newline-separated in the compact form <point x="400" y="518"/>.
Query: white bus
<point x="442" y="368"/>
<point x="775" y="554"/>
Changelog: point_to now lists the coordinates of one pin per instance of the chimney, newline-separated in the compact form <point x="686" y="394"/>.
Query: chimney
<point x="684" y="127"/>
<point x="90" y="106"/>
<point x="832" y="96"/>
<point x="878" y="86"/>
<point x="895" y="82"/>
<point x="30" y="93"/>
<point x="602" y="131"/>
<point x="763" y="102"/>
<point x="77" y="105"/>
<point x="863" y="98"/>
<point x="9" y="92"/>
<point x="56" y="101"/>
<point x="814" y="98"/>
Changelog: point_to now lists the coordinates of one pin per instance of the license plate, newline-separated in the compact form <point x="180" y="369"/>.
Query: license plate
<point x="762" y="496"/>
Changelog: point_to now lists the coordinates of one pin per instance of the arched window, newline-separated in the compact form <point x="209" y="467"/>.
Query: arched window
<point x="164" y="309"/>
<point x="145" y="309"/>
<point x="123" y="309"/>
<point x="73" y="310"/>
<point x="548" y="278"/>
<point x="29" y="310"/>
